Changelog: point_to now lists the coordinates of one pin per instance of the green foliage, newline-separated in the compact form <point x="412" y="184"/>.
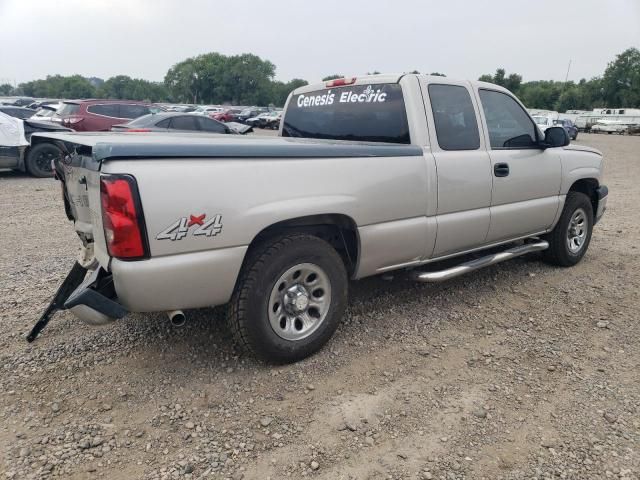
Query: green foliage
<point x="621" y="80"/>
<point x="282" y="90"/>
<point x="124" y="87"/>
<point x="511" y="83"/>
<point x="57" y="86"/>
<point x="618" y="87"/>
<point x="249" y="80"/>
<point x="216" y="78"/>
<point x="6" y="89"/>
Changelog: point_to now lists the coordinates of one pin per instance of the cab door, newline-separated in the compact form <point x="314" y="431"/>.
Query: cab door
<point x="525" y="178"/>
<point x="463" y="166"/>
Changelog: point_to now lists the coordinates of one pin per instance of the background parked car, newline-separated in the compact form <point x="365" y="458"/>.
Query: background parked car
<point x="248" y="113"/>
<point x="101" y="115"/>
<point x="41" y="103"/>
<point x="47" y="113"/>
<point x="208" y="110"/>
<point x="228" y="115"/>
<point x="17" y="101"/>
<point x="609" y="127"/>
<point x="17" y="112"/>
<point x="633" y="129"/>
<point x="173" y="121"/>
<point x="17" y="154"/>
<point x="266" y="120"/>
<point x="568" y="125"/>
<point x="543" y="122"/>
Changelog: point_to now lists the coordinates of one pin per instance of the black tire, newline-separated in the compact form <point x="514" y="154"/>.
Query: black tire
<point x="248" y="312"/>
<point x="559" y="252"/>
<point x="38" y="161"/>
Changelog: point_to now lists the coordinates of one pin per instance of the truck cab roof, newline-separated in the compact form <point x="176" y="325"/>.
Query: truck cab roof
<point x="388" y="78"/>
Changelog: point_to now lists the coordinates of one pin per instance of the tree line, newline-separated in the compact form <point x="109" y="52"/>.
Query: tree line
<point x="246" y="79"/>
<point x="619" y="86"/>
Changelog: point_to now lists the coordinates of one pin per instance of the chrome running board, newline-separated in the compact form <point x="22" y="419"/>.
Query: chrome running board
<point x="473" y="265"/>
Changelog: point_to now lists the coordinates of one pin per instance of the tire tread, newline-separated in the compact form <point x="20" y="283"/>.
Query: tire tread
<point x="556" y="254"/>
<point x="258" y="257"/>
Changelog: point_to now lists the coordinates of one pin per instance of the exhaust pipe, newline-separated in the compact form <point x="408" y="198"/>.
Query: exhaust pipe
<point x="177" y="318"/>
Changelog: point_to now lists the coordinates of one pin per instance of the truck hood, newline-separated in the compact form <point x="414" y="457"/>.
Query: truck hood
<point x="583" y="148"/>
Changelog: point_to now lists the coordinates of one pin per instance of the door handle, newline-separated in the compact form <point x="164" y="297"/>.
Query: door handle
<point x="501" y="169"/>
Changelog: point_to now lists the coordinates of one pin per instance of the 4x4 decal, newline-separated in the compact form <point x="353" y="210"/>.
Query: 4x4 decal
<point x="181" y="227"/>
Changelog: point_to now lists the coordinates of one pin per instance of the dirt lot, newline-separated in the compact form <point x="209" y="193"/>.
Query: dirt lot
<point x="517" y="371"/>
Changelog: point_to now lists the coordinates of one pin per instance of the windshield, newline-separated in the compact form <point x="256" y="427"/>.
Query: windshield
<point x="541" y="120"/>
<point x="68" y="109"/>
<point x="370" y="113"/>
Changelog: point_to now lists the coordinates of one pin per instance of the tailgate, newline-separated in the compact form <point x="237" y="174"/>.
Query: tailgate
<point x="79" y="175"/>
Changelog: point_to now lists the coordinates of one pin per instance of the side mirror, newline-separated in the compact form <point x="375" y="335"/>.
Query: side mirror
<point x="556" y="137"/>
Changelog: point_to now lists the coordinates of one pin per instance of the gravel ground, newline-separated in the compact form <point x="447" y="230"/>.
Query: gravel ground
<point x="520" y="370"/>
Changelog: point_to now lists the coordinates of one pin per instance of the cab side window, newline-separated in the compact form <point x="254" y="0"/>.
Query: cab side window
<point x="187" y="122"/>
<point x="454" y="117"/>
<point x="508" y="124"/>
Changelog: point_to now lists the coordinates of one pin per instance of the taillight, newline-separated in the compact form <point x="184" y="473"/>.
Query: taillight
<point x="73" y="120"/>
<point x="122" y="218"/>
<point x="339" y="82"/>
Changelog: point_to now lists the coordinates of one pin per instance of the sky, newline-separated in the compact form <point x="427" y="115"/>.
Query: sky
<point x="310" y="40"/>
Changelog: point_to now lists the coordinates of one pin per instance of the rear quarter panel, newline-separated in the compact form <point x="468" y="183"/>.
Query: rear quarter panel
<point x="252" y="194"/>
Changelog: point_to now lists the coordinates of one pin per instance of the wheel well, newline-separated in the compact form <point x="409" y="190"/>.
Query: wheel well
<point x="337" y="229"/>
<point x="587" y="186"/>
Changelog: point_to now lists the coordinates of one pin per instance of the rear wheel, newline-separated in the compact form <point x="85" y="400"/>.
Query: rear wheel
<point x="39" y="159"/>
<point x="290" y="298"/>
<point x="569" y="240"/>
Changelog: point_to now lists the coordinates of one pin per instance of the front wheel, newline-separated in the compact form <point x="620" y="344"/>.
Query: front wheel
<point x="39" y="159"/>
<point x="569" y="240"/>
<point x="290" y="297"/>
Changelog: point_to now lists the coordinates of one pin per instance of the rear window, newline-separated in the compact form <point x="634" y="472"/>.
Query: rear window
<point x="133" y="111"/>
<point x="454" y="117"/>
<point x="369" y="113"/>
<point x="68" y="109"/>
<point x="141" y="121"/>
<point x="106" y="110"/>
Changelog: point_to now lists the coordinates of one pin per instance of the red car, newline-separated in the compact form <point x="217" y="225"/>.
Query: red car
<point x="228" y="115"/>
<point x="101" y="115"/>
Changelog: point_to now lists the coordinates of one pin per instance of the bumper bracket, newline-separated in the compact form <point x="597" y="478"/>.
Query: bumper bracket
<point x="73" y="280"/>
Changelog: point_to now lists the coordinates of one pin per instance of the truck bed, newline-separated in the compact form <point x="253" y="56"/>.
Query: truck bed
<point x="117" y="145"/>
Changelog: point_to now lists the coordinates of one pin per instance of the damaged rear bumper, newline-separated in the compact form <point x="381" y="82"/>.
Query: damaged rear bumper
<point x="90" y="296"/>
<point x="93" y="301"/>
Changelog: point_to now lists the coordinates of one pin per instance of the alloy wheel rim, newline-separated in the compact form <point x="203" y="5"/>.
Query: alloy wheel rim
<point x="299" y="301"/>
<point x="44" y="158"/>
<point x="577" y="231"/>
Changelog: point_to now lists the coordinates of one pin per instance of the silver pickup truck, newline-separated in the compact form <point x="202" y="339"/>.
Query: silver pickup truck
<point x="368" y="175"/>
